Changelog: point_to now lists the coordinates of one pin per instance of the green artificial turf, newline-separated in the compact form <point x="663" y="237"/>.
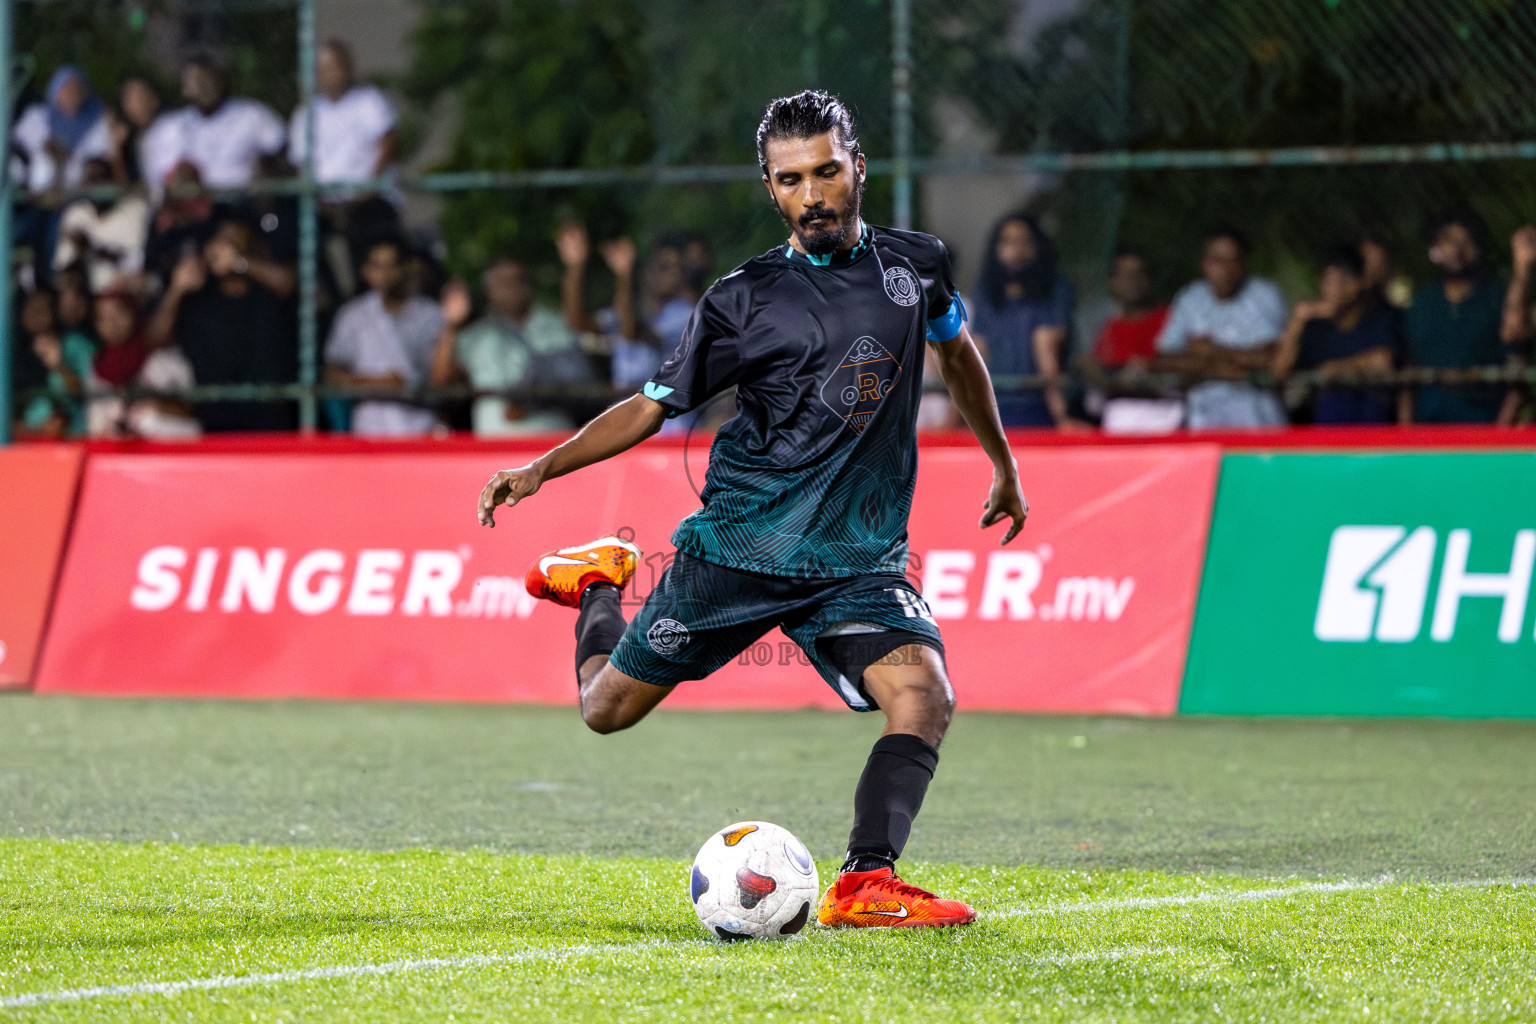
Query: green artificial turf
<point x="320" y="862"/>
<point x="564" y="938"/>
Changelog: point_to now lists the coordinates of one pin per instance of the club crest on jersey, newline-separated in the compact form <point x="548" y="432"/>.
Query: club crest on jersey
<point x="861" y="381"/>
<point x="902" y="287"/>
<point x="666" y="636"/>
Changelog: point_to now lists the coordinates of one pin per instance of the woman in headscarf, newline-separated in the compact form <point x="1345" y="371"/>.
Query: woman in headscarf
<point x="58" y="136"/>
<point x="1023" y="316"/>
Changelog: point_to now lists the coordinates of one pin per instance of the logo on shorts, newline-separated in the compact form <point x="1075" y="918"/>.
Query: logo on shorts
<point x="666" y="636"/>
<point x="902" y="287"/>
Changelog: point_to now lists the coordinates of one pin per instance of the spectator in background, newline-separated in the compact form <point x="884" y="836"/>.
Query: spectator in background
<point x="1518" y="328"/>
<point x="355" y="137"/>
<point x="1226" y="324"/>
<point x="125" y="360"/>
<point x="631" y="359"/>
<point x="106" y="236"/>
<point x="517" y="344"/>
<point x="224" y="137"/>
<point x="65" y="357"/>
<point x="1023" y="317"/>
<point x="1346" y="330"/>
<point x="227" y="310"/>
<point x="385" y="338"/>
<point x="1128" y="344"/>
<point x="1457" y="323"/>
<point x="57" y="137"/>
<point x="1129" y="338"/>
<point x="180" y="228"/>
<point x="74" y="301"/>
<point x="355" y="140"/>
<point x="1386" y="286"/>
<point x="129" y="123"/>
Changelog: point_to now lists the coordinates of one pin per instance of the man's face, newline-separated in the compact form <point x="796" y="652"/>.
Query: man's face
<point x="1455" y="250"/>
<point x="665" y="272"/>
<point x="333" y="72"/>
<point x="114" y="321"/>
<point x="1340" y="288"/>
<point x="384" y="270"/>
<point x="139" y="102"/>
<point x="37" y="313"/>
<point x="1129" y="282"/>
<point x="201" y="87"/>
<point x="1378" y="264"/>
<point x="1016" y="247"/>
<point x="1223" y="267"/>
<point x="224" y="251"/>
<point x="508" y="290"/>
<point x="815" y="183"/>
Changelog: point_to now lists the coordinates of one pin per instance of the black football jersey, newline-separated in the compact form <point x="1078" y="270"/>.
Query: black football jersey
<point x="813" y="477"/>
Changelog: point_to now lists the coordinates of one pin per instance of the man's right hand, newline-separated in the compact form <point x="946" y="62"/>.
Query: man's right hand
<point x="573" y="245"/>
<point x="507" y="488"/>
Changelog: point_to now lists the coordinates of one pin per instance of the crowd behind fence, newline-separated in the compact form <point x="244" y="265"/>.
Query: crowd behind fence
<point x="158" y="296"/>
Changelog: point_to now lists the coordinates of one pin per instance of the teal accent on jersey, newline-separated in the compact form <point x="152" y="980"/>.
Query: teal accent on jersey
<point x="656" y="392"/>
<point x="839" y="258"/>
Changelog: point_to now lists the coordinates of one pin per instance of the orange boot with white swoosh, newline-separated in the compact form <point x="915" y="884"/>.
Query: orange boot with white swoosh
<point x="878" y="899"/>
<point x="561" y="576"/>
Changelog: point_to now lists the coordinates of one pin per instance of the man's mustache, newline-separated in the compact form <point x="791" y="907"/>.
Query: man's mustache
<point x="817" y="211"/>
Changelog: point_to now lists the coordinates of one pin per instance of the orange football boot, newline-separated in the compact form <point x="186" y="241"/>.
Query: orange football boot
<point x="561" y="576"/>
<point x="878" y="899"/>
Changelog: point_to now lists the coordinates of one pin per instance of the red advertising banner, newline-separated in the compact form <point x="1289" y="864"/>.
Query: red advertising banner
<point x="37" y="491"/>
<point x="366" y="576"/>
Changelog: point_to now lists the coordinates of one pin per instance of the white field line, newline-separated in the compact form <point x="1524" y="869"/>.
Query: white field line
<point x="1240" y="896"/>
<point x="170" y="988"/>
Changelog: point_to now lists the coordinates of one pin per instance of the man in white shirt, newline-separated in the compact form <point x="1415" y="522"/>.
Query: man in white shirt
<point x="355" y="138"/>
<point x="385" y="338"/>
<point x="224" y="137"/>
<point x="1226" y="324"/>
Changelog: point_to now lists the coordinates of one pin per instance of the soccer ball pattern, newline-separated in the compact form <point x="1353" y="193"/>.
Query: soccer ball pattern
<point x="753" y="880"/>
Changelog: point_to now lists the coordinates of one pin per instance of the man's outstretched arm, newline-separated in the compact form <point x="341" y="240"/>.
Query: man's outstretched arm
<point x="618" y="429"/>
<point x="971" y="388"/>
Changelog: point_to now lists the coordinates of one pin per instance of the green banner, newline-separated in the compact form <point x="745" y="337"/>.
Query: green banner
<point x="1368" y="585"/>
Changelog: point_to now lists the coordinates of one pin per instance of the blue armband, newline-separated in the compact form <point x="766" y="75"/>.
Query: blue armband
<point x="946" y="327"/>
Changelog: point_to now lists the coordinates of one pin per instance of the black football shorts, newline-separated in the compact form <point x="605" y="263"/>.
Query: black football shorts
<point x="700" y="616"/>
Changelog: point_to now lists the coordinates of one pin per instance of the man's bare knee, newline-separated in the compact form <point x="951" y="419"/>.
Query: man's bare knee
<point x="614" y="701"/>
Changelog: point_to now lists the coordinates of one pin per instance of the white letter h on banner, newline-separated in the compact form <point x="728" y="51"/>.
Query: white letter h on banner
<point x="1456" y="583"/>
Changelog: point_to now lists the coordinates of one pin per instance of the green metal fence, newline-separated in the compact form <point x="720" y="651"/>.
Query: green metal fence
<point x="1114" y="100"/>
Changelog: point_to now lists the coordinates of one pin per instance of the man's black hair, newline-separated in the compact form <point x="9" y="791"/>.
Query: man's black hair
<point x="806" y="115"/>
<point x="1231" y="234"/>
<point x="1346" y="256"/>
<point x="1461" y="216"/>
<point x="1038" y="279"/>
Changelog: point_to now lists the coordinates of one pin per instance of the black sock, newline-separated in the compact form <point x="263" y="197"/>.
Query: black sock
<point x="890" y="794"/>
<point x="600" y="624"/>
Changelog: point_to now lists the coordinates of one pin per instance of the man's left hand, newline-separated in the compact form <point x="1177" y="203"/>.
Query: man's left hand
<point x="1005" y="502"/>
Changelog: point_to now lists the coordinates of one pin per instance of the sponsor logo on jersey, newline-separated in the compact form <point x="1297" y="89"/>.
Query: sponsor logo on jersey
<point x="860" y="383"/>
<point x="902" y="287"/>
<point x="1376" y="584"/>
<point x="666" y="636"/>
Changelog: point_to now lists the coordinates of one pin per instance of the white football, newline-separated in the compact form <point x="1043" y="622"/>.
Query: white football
<point x="754" y="880"/>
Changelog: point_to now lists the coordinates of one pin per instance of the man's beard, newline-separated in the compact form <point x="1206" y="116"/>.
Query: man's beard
<point x="822" y="240"/>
